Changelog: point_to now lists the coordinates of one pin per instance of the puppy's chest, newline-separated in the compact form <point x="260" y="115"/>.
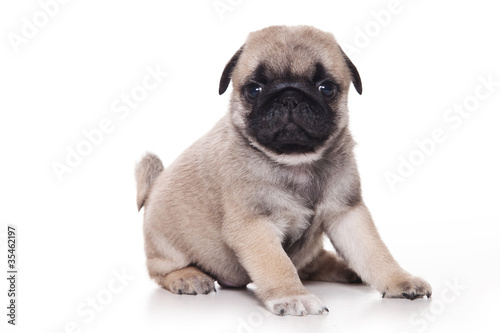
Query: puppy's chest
<point x="304" y="186"/>
<point x="291" y="216"/>
<point x="292" y="204"/>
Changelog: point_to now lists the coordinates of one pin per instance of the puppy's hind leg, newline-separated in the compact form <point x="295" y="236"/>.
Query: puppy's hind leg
<point x="186" y="280"/>
<point x="171" y="269"/>
<point x="329" y="268"/>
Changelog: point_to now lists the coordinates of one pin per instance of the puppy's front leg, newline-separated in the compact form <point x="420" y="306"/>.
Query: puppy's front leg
<point x="354" y="235"/>
<point x="259" y="250"/>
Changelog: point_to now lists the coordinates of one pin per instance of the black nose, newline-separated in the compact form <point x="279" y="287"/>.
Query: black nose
<point x="290" y="102"/>
<point x="290" y="99"/>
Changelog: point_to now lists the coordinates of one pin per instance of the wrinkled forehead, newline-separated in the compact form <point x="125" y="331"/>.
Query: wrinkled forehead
<point x="291" y="52"/>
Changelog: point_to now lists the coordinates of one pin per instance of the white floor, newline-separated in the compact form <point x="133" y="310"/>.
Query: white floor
<point x="103" y="287"/>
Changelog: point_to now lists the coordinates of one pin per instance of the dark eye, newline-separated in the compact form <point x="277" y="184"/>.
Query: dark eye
<point x="327" y="88"/>
<point x="252" y="91"/>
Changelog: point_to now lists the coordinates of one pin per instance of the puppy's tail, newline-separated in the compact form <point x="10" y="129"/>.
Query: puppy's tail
<point x="146" y="172"/>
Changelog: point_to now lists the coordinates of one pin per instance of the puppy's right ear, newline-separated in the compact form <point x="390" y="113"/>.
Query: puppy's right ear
<point x="225" y="79"/>
<point x="355" y="78"/>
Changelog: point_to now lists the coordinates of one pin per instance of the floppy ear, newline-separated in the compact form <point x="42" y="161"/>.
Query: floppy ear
<point x="228" y="71"/>
<point x="355" y="78"/>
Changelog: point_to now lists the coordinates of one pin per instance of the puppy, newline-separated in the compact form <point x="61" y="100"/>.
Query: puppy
<point x="251" y="200"/>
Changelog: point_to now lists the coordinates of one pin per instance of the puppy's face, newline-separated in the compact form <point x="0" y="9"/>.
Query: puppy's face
<point x="290" y="91"/>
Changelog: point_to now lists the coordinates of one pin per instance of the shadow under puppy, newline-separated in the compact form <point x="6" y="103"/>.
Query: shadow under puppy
<point x="251" y="200"/>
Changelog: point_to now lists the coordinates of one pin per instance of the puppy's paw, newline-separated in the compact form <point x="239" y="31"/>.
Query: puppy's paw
<point x="410" y="287"/>
<point x="300" y="305"/>
<point x="189" y="281"/>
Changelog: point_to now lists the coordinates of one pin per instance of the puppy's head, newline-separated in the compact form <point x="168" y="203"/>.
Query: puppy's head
<point x="290" y="91"/>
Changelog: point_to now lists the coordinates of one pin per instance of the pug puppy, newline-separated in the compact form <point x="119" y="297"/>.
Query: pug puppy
<point x="251" y="200"/>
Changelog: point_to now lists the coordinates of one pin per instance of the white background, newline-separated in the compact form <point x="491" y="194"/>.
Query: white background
<point x="77" y="233"/>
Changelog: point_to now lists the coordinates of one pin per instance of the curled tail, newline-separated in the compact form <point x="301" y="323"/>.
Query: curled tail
<point x="146" y="172"/>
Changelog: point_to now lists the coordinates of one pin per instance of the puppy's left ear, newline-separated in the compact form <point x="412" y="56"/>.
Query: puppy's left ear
<point x="355" y="78"/>
<point x="225" y="79"/>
